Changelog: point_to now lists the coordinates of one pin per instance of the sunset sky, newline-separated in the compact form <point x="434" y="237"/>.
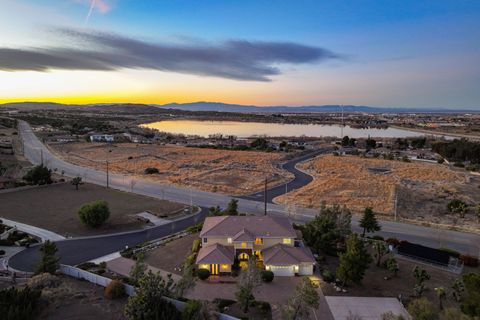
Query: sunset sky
<point x="286" y="52"/>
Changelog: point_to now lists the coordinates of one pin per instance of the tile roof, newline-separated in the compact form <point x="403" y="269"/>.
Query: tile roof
<point x="281" y="254"/>
<point x="257" y="226"/>
<point x="244" y="235"/>
<point x="216" y="253"/>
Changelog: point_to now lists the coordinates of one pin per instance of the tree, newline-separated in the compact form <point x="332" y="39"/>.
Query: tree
<point x="214" y="211"/>
<point x="259" y="143"/>
<point x="369" y="222"/>
<point x="76" y="182"/>
<point x="354" y="261"/>
<point x="48" y="262"/>
<point x="421" y="309"/>
<point x="453" y="314"/>
<point x="197" y="310"/>
<point x="39" y="175"/>
<point x="138" y="269"/>
<point x="457" y="206"/>
<point x="381" y="249"/>
<point x="94" y="214"/>
<point x="392" y="266"/>
<point x="16" y="303"/>
<point x="249" y="279"/>
<point x="370" y="143"/>
<point x="232" y="208"/>
<point x="420" y="276"/>
<point x="148" y="303"/>
<point x="458" y="289"/>
<point x="187" y="282"/>
<point x="304" y="298"/>
<point x="345" y="141"/>
<point x="471" y="301"/>
<point x="328" y="229"/>
<point x="441" y="294"/>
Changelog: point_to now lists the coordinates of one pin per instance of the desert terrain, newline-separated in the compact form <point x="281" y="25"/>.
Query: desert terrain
<point x="423" y="190"/>
<point x="225" y="171"/>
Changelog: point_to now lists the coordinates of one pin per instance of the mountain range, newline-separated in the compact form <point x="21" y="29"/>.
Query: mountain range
<point x="225" y="107"/>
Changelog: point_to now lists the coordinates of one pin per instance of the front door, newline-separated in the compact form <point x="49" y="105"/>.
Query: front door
<point x="214" y="269"/>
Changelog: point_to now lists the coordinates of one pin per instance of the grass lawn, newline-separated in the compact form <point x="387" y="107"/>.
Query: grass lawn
<point x="171" y="256"/>
<point x="55" y="208"/>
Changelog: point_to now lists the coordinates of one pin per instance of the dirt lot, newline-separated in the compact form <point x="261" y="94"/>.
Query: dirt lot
<point x="55" y="208"/>
<point x="75" y="299"/>
<point x="226" y="171"/>
<point x="423" y="189"/>
<point x="374" y="284"/>
<point x="171" y="256"/>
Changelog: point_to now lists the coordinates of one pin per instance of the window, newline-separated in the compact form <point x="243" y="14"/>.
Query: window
<point x="204" y="240"/>
<point x="229" y="240"/>
<point x="259" y="241"/>
<point x="287" y="241"/>
<point x="244" y="244"/>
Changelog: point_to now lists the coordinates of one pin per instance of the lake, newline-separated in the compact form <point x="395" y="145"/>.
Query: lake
<point x="251" y="129"/>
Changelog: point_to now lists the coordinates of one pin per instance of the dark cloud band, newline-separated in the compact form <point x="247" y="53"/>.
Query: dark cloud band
<point x="240" y="60"/>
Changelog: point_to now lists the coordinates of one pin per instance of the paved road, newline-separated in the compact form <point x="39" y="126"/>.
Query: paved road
<point x="300" y="178"/>
<point x="80" y="250"/>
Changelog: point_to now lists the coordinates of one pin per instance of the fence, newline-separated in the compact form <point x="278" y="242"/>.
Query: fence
<point x="129" y="290"/>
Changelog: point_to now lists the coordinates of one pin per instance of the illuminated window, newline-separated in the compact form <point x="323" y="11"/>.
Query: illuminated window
<point x="258" y="241"/>
<point x="229" y="240"/>
<point x="287" y="241"/>
<point x="224" y="266"/>
<point x="244" y="244"/>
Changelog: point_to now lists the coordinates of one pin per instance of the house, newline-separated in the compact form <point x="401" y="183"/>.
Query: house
<point x="102" y="138"/>
<point x="229" y="240"/>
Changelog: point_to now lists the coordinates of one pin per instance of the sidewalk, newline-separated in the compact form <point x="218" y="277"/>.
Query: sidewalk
<point x="35" y="231"/>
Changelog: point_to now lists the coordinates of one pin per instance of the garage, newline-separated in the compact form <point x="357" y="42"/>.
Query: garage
<point x="282" y="271"/>
<point x="305" y="269"/>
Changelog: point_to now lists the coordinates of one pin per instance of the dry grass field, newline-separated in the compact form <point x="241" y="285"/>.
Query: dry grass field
<point x="55" y="208"/>
<point x="423" y="189"/>
<point x="225" y="171"/>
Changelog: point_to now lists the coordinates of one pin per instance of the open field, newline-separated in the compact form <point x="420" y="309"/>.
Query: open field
<point x="171" y="256"/>
<point x="423" y="189"/>
<point x="225" y="171"/>
<point x="55" y="208"/>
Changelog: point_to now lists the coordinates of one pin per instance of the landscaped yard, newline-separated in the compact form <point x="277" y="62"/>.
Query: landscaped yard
<point x="55" y="208"/>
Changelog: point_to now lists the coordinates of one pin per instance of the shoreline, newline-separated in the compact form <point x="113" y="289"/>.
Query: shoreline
<point x="438" y="133"/>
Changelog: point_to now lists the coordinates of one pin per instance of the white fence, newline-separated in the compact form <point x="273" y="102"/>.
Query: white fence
<point x="129" y="290"/>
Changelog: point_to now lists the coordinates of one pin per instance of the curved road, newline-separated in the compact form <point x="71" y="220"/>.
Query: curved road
<point x="74" y="251"/>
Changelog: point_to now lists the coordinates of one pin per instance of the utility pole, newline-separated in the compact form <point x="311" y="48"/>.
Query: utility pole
<point x="107" y="174"/>
<point x="265" y="195"/>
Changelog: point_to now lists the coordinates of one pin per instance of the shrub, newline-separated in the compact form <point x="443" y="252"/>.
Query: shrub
<point x="203" y="274"/>
<point x="2" y="252"/>
<point x="328" y="276"/>
<point x="39" y="175"/>
<point x="151" y="171"/>
<point x="43" y="280"/>
<point x="191" y="258"/>
<point x="223" y="303"/>
<point x="18" y="303"/>
<point x="195" y="228"/>
<point x="196" y="245"/>
<point x="469" y="260"/>
<point x="267" y="276"/>
<point x="114" y="290"/>
<point x="94" y="214"/>
<point x="264" y="307"/>
<point x="192" y="310"/>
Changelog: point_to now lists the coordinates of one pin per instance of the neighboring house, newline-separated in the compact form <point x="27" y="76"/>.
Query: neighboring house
<point x="227" y="240"/>
<point x="102" y="138"/>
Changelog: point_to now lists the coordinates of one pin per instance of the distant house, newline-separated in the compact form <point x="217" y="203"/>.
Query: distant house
<point x="227" y="239"/>
<point x="102" y="138"/>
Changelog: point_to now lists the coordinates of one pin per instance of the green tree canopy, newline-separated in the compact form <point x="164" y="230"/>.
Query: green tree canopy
<point x="39" y="175"/>
<point x="148" y="303"/>
<point x="49" y="261"/>
<point x="354" y="261"/>
<point x="94" y="214"/>
<point x="328" y="229"/>
<point x="232" y="208"/>
<point x="369" y="221"/>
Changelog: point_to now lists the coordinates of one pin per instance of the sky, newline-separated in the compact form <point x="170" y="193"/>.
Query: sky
<point x="396" y="53"/>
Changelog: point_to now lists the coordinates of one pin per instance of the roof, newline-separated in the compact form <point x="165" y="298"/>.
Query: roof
<point x="281" y="254"/>
<point x="254" y="226"/>
<point x="244" y="235"/>
<point x="216" y="254"/>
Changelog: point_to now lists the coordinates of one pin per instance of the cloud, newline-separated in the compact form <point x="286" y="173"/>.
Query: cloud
<point x="233" y="59"/>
